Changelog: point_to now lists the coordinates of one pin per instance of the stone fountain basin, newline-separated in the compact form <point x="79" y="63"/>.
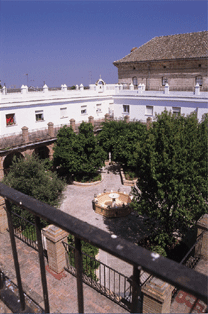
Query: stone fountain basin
<point x="102" y="205"/>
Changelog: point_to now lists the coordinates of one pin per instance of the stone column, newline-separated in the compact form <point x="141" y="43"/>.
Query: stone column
<point x="91" y="120"/>
<point x="81" y="87"/>
<point x="72" y="124"/>
<point x="51" y="151"/>
<point x="55" y="249"/>
<point x="157" y="296"/>
<point x="149" y="122"/>
<point x="202" y="246"/>
<point x="25" y="134"/>
<point x="126" y="118"/>
<point x="50" y="129"/>
<point x="107" y="117"/>
<point x="3" y="215"/>
<point x="1" y="168"/>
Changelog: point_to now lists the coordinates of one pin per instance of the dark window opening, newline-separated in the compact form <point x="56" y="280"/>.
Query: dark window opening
<point x="10" y="119"/>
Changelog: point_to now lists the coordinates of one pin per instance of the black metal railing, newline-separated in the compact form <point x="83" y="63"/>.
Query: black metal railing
<point x="191" y="258"/>
<point x="141" y="259"/>
<point x="103" y="278"/>
<point x="25" y="231"/>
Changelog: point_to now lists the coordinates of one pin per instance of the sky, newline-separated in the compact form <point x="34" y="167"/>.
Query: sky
<point x="74" y="42"/>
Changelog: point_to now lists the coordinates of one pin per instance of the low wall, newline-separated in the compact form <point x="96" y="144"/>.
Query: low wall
<point x="88" y="184"/>
<point x="126" y="182"/>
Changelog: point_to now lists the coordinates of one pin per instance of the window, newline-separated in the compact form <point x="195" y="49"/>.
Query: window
<point x="125" y="108"/>
<point x="199" y="80"/>
<point x="134" y="81"/>
<point x="83" y="109"/>
<point x="10" y="119"/>
<point x="39" y="115"/>
<point x="164" y="81"/>
<point x="98" y="108"/>
<point x="149" y="111"/>
<point x="176" y="110"/>
<point x="63" y="113"/>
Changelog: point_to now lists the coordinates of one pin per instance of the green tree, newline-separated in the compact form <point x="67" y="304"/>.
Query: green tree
<point x="129" y="144"/>
<point x="78" y="154"/>
<point x="109" y="136"/>
<point x="30" y="176"/>
<point x="172" y="176"/>
<point x="124" y="141"/>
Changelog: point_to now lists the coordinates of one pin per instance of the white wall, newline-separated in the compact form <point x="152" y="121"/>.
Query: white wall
<point x="137" y="106"/>
<point x="25" y="113"/>
<point x="24" y="106"/>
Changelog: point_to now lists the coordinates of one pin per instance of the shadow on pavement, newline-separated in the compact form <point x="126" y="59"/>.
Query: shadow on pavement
<point x="131" y="227"/>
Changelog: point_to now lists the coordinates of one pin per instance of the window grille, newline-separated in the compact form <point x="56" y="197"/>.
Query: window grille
<point x="126" y="108"/>
<point x="83" y="109"/>
<point x="39" y="115"/>
<point x="176" y="110"/>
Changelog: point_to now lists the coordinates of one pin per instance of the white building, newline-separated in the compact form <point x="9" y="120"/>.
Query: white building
<point x="36" y="109"/>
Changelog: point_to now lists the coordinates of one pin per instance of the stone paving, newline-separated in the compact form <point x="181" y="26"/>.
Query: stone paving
<point x="77" y="201"/>
<point x="62" y="293"/>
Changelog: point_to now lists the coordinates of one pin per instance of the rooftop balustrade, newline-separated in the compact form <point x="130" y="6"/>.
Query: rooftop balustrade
<point x="141" y="259"/>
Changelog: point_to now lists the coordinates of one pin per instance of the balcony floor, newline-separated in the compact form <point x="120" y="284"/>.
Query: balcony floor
<point x="62" y="293"/>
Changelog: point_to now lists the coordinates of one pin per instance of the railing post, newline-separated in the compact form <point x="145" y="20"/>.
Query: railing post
<point x="201" y="247"/>
<point x="78" y="264"/>
<point x="15" y="256"/>
<point x="42" y="264"/>
<point x="3" y="216"/>
<point x="136" y="289"/>
<point x="157" y="296"/>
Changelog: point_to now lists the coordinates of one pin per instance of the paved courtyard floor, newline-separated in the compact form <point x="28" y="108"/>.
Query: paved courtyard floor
<point x="77" y="201"/>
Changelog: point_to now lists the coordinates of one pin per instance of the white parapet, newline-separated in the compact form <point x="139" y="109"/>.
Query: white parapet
<point x="45" y="88"/>
<point x="131" y="86"/>
<point x="166" y="92"/>
<point x="197" y="89"/>
<point x="24" y="89"/>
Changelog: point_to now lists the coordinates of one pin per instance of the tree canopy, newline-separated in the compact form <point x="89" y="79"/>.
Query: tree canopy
<point x="173" y="176"/>
<point x="30" y="176"/>
<point x="78" y="154"/>
<point x="123" y="140"/>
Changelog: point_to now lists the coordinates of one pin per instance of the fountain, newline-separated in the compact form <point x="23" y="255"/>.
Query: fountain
<point x="112" y="204"/>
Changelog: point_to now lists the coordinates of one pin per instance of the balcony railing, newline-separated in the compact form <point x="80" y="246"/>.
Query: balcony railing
<point x="141" y="259"/>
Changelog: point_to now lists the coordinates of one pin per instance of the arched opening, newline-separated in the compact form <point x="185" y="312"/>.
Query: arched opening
<point x="9" y="159"/>
<point x="42" y="152"/>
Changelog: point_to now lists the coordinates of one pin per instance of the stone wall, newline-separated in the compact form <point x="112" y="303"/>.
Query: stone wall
<point x="181" y="75"/>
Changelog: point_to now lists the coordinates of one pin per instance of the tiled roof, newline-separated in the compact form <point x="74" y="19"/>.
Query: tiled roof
<point x="190" y="45"/>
